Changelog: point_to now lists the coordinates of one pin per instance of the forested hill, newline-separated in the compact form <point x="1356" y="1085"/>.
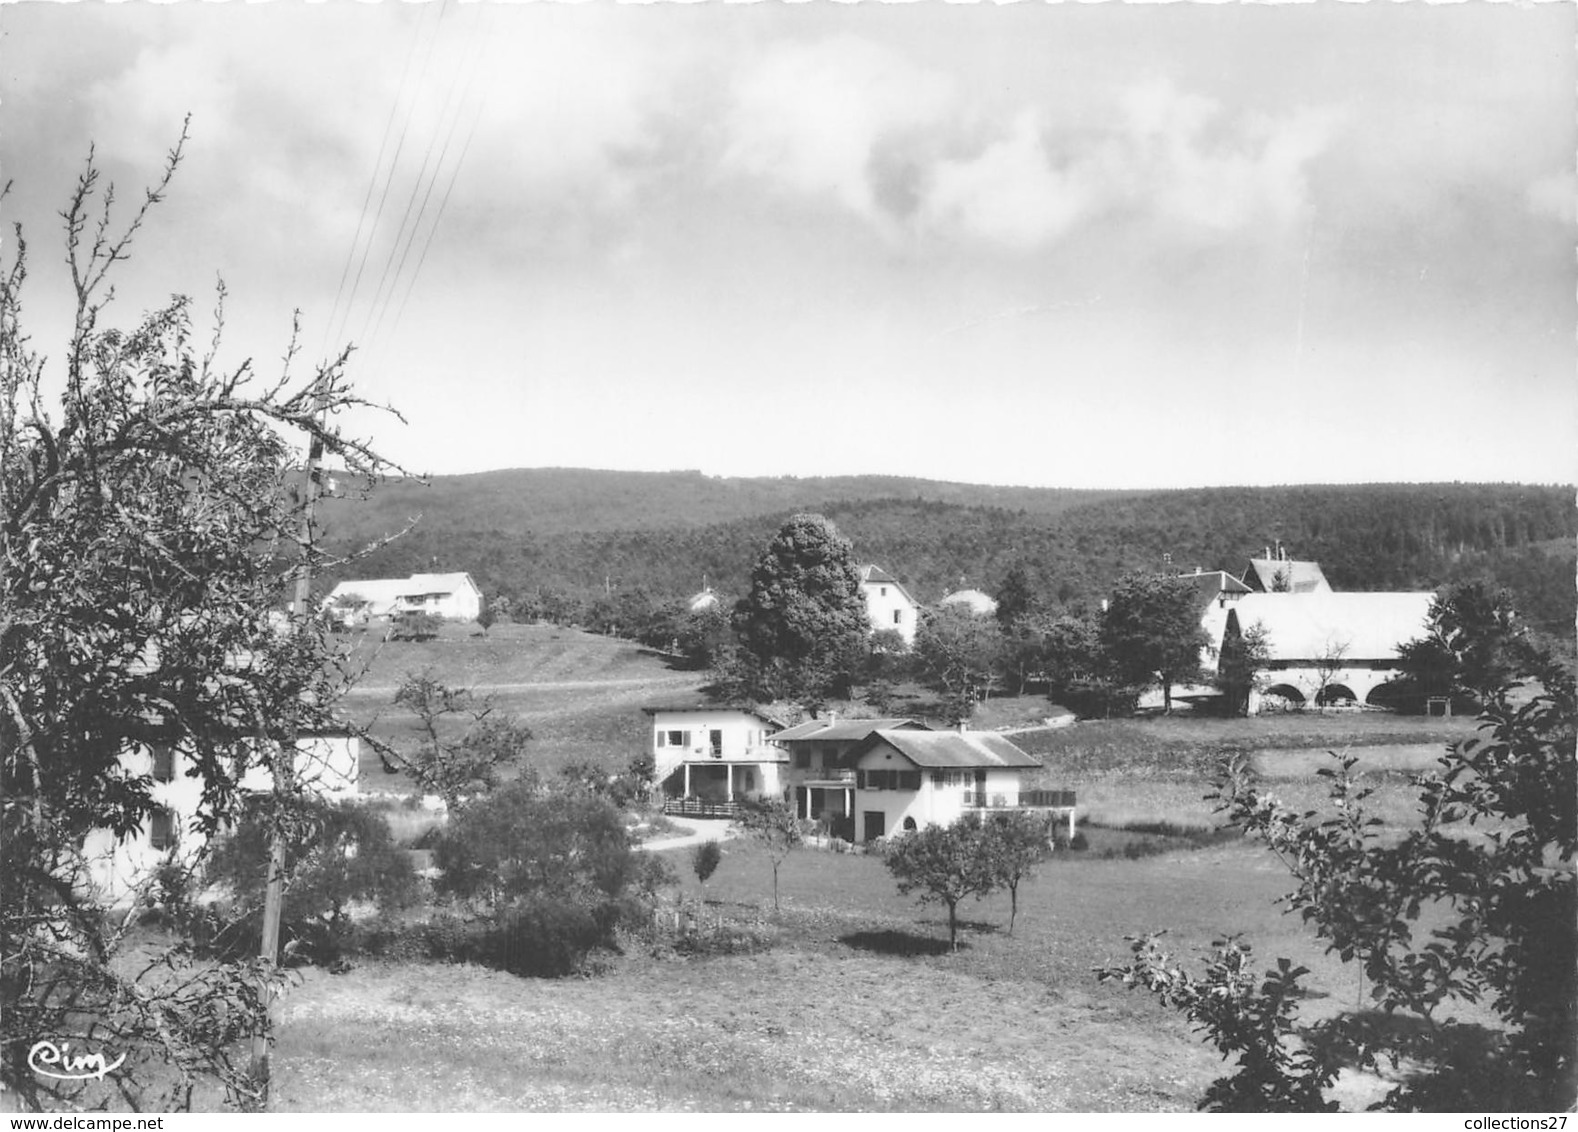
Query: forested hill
<point x="549" y="501"/>
<point x="1369" y="537"/>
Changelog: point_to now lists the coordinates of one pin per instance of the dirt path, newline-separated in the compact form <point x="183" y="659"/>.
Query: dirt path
<point x="711" y="830"/>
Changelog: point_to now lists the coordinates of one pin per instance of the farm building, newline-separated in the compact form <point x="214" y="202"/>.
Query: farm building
<point x="910" y="779"/>
<point x="706" y="757"/>
<point x="888" y="604"/>
<point x="1329" y="647"/>
<point x="454" y="597"/>
<point x="326" y="764"/>
<point x="820" y="779"/>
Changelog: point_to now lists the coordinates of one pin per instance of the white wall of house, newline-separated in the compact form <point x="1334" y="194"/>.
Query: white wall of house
<point x="718" y="736"/>
<point x="934" y="803"/>
<point x="889" y="607"/>
<point x="326" y="764"/>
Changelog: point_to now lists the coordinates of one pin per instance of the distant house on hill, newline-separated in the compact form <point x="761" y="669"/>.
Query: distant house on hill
<point x="820" y="779"/>
<point x="709" y="756"/>
<point x="888" y="604"/>
<point x="978" y="603"/>
<point x="700" y="602"/>
<point x="1329" y="647"/>
<point x="454" y="597"/>
<point x="910" y="779"/>
<point x="1277" y="573"/>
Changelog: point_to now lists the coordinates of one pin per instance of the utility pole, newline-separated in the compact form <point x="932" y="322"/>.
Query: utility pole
<point x="283" y="758"/>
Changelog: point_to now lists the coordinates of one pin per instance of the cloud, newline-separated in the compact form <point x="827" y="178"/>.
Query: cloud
<point x="1009" y="193"/>
<point x="811" y="118"/>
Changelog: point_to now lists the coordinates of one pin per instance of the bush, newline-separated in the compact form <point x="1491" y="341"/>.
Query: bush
<point x="336" y="854"/>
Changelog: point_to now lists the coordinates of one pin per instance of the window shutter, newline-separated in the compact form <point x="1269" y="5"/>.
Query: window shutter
<point x="662" y="738"/>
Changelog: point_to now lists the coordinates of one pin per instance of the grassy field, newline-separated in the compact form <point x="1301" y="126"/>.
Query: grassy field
<point x="848" y="999"/>
<point x="580" y="693"/>
<point x="854" y="1002"/>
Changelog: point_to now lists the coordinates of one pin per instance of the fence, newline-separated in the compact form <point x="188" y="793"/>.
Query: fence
<point x="699" y="808"/>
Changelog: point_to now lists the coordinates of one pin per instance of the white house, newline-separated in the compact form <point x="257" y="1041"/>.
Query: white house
<point x="714" y="754"/>
<point x="454" y="597"/>
<point x="326" y="763"/>
<point x="907" y="780"/>
<point x="820" y="778"/>
<point x="888" y="604"/>
<point x="1330" y="647"/>
<point x="1277" y="573"/>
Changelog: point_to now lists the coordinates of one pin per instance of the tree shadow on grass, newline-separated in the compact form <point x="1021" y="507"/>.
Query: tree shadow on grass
<point x="892" y="942"/>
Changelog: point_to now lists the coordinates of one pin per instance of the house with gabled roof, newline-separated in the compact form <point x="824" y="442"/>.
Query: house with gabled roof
<point x="888" y="604"/>
<point x="1277" y="573"/>
<point x="707" y="757"/>
<point x="821" y="782"/>
<point x="910" y="779"/>
<point x="454" y="597"/>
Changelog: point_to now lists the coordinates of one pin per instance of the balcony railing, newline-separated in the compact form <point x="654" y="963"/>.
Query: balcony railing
<point x="1027" y="800"/>
<point x="836" y="777"/>
<point x="700" y="808"/>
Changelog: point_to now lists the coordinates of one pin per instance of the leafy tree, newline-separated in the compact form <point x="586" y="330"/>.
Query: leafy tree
<point x="944" y="864"/>
<point x="1436" y="919"/>
<point x="463" y="742"/>
<point x="1472" y="646"/>
<point x="1330" y="660"/>
<point x="1015" y="843"/>
<point x="1244" y="656"/>
<point x="1079" y="674"/>
<point x="773" y="822"/>
<point x="704" y="861"/>
<point x="487" y="615"/>
<point x="961" y="652"/>
<point x="339" y="853"/>
<point x="1017" y="599"/>
<point x="704" y="637"/>
<point x="152" y="529"/>
<point x="1151" y="633"/>
<point x="623" y="788"/>
<point x="1025" y="649"/>
<point x="529" y="840"/>
<point x="803" y="625"/>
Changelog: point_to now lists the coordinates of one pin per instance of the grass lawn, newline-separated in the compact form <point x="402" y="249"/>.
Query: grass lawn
<point x="857" y="1004"/>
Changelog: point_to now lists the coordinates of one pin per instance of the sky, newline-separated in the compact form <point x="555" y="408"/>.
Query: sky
<point x="1065" y="245"/>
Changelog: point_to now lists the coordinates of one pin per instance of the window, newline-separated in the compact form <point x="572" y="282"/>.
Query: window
<point x="161" y="829"/>
<point x="679" y="738"/>
<point x="163" y="762"/>
<point x="888" y="779"/>
<point x="898" y="617"/>
<point x="883" y="590"/>
<point x="802" y="760"/>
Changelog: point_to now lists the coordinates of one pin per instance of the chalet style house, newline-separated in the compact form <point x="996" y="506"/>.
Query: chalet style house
<point x="821" y="781"/>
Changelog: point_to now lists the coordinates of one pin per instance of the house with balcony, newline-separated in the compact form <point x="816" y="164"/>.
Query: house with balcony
<point x="910" y="779"/>
<point x="820" y="779"/>
<point x="707" y="757"/>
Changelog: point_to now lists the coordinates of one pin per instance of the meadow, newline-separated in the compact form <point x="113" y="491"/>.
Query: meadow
<point x="848" y="998"/>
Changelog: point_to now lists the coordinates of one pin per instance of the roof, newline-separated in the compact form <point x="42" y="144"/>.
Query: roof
<point x="876" y="575"/>
<point x="692" y="706"/>
<point x="1302" y="577"/>
<point x="706" y="599"/>
<point x="1209" y="584"/>
<point x="975" y="599"/>
<point x="843" y="729"/>
<point x="953" y="748"/>
<point x="436" y="583"/>
<point x="1307" y="626"/>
